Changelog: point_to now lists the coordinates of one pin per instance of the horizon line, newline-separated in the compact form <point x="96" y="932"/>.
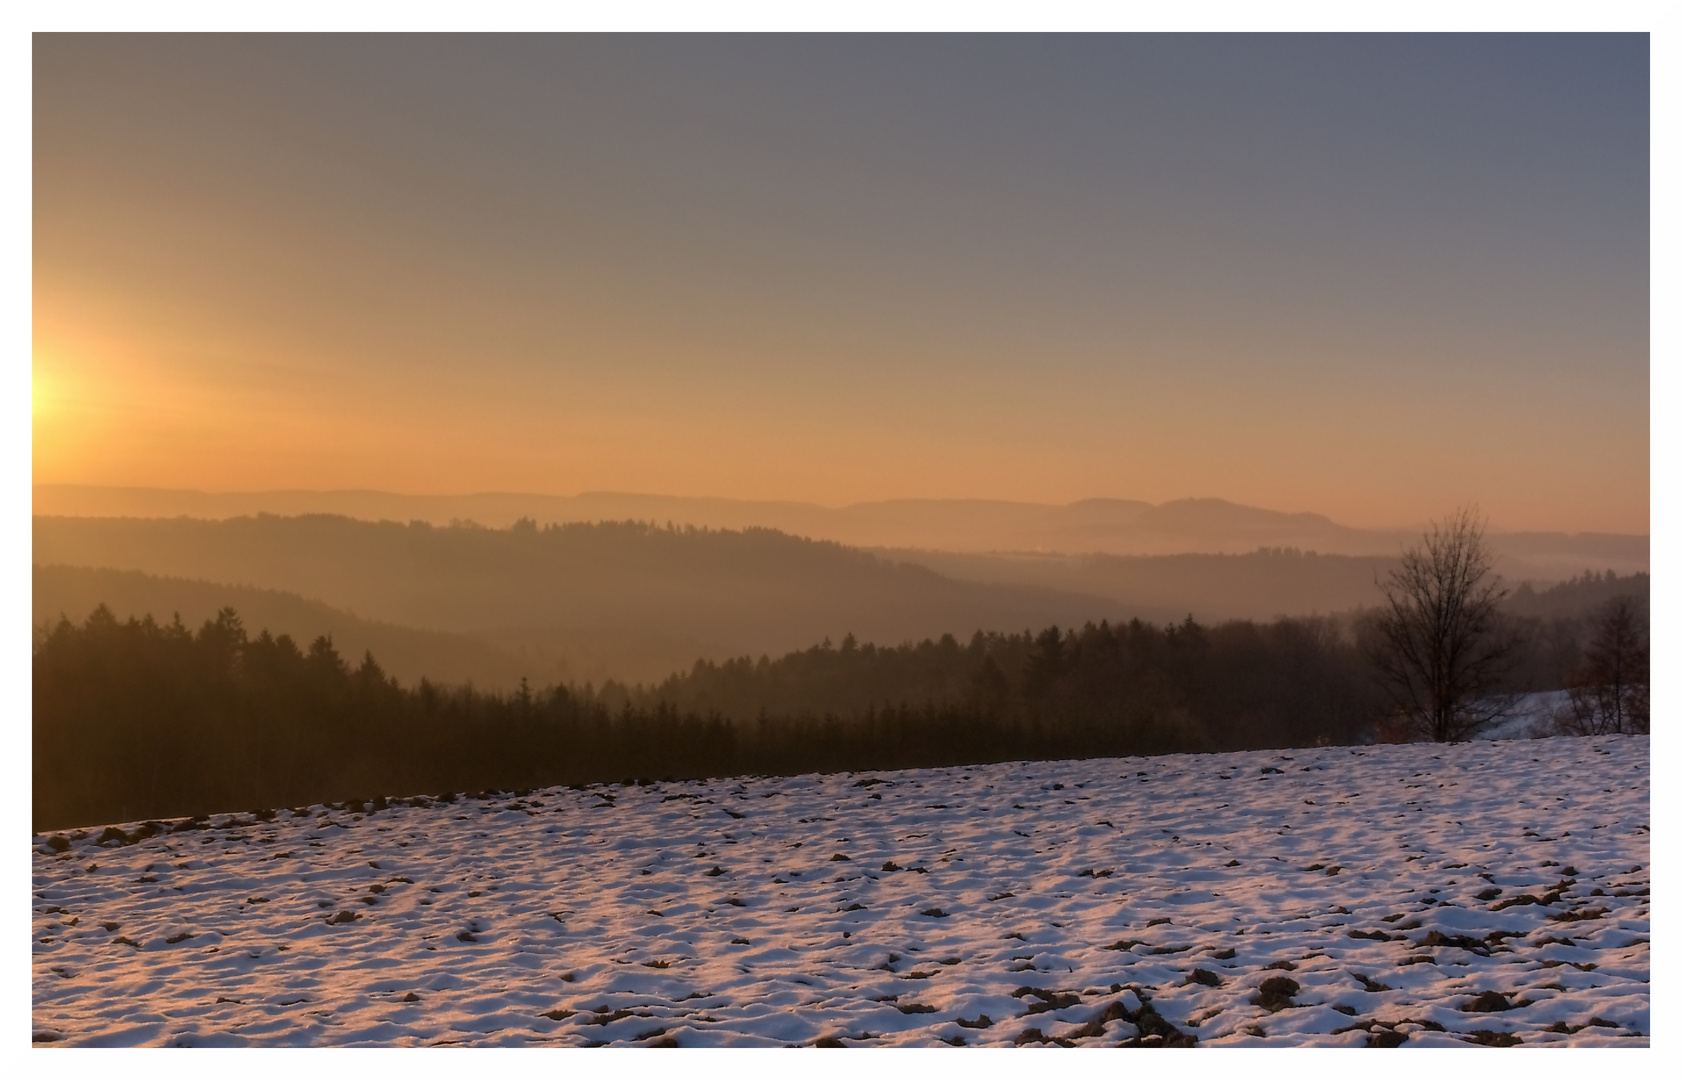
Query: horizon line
<point x="796" y="503"/>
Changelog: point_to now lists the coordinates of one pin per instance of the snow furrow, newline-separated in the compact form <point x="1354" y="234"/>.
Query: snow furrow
<point x="1490" y="892"/>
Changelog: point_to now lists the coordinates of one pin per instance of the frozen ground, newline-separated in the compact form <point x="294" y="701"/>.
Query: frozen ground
<point x="1492" y="892"/>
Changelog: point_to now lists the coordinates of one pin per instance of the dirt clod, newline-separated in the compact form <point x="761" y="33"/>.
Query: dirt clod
<point x="1488" y="1001"/>
<point x="1276" y="993"/>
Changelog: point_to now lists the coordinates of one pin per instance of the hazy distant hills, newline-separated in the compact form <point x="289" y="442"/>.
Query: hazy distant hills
<point x="632" y="601"/>
<point x="635" y="601"/>
<point x="1259" y="585"/>
<point x="1093" y="526"/>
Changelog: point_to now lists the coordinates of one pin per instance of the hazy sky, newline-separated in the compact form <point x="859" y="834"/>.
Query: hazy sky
<point x="1371" y="277"/>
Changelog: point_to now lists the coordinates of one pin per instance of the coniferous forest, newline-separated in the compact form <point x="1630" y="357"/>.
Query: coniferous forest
<point x="139" y="719"/>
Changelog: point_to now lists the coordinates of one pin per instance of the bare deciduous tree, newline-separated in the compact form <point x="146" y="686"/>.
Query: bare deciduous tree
<point x="1440" y="648"/>
<point x="1610" y="695"/>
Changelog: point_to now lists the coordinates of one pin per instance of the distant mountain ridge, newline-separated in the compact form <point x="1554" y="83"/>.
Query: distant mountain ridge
<point x="962" y="526"/>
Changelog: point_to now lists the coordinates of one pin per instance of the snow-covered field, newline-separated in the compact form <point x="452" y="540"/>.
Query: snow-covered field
<point x="1493" y="892"/>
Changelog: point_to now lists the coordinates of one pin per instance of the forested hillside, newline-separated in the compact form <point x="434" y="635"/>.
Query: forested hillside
<point x="638" y="600"/>
<point x="636" y="603"/>
<point x="1261" y="584"/>
<point x="1576" y="596"/>
<point x="407" y="654"/>
<point x="969" y="526"/>
<point x="148" y="717"/>
<point x="137" y="719"/>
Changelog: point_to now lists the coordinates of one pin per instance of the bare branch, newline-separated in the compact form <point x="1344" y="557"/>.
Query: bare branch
<point x="1441" y="649"/>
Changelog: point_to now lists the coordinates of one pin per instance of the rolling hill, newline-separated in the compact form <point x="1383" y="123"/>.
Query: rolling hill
<point x="408" y="654"/>
<point x="967" y="526"/>
<point x="627" y="599"/>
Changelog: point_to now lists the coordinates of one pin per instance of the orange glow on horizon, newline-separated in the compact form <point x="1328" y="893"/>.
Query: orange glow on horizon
<point x="277" y="262"/>
<point x="123" y="416"/>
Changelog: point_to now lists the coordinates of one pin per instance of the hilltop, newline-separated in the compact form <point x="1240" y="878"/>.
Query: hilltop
<point x="1090" y="526"/>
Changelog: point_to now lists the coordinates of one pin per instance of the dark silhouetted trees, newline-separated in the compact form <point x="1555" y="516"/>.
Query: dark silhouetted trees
<point x="138" y="719"/>
<point x="1610" y="695"/>
<point x="1440" y="646"/>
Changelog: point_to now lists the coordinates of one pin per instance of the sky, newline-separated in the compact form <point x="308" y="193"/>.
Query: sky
<point x="1372" y="277"/>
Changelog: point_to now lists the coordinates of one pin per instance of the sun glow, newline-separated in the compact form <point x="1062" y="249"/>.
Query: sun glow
<point x="42" y="393"/>
<point x="67" y="413"/>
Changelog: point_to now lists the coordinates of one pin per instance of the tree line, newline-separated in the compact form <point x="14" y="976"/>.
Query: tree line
<point x="139" y="719"/>
<point x="1451" y="662"/>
